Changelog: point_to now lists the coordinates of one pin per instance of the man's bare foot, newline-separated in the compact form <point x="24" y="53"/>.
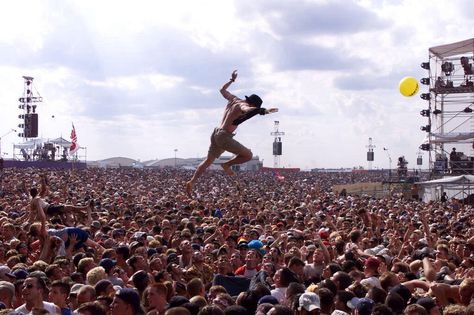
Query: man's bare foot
<point x="189" y="188"/>
<point x="227" y="169"/>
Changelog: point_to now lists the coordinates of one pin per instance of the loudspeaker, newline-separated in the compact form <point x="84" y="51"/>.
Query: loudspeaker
<point x="277" y="148"/>
<point x="370" y="156"/>
<point x="419" y="161"/>
<point x="31" y="125"/>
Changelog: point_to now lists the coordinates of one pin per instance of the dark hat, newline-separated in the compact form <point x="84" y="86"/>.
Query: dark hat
<point x="171" y="257"/>
<point x="362" y="305"/>
<point x="403" y="291"/>
<point x="107" y="264"/>
<point x="129" y="296"/>
<point x="268" y="299"/>
<point x="176" y="301"/>
<point x="102" y="285"/>
<point x="20" y="273"/>
<point x="427" y="302"/>
<point x="254" y="100"/>
<point x="243" y="244"/>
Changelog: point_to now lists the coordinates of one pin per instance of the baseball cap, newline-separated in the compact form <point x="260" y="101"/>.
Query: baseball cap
<point x="107" y="264"/>
<point x="129" y="296"/>
<point x="268" y="299"/>
<point x="309" y="301"/>
<point x="403" y="291"/>
<point x="362" y="305"/>
<point x="96" y="224"/>
<point x="372" y="262"/>
<point x="256" y="244"/>
<point x="20" y="273"/>
<point x="6" y="271"/>
<point x="177" y="300"/>
<point x="254" y="100"/>
<point x="427" y="302"/>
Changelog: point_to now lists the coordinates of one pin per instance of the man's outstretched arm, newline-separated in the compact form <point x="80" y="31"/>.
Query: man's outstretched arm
<point x="227" y="95"/>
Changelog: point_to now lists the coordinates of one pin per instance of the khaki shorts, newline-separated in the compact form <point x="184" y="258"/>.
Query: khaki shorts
<point x="222" y="140"/>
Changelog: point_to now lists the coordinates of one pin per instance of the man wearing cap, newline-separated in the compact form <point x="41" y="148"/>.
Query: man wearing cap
<point x="371" y="266"/>
<point x="309" y="303"/>
<point x="361" y="306"/>
<point x="236" y="112"/>
<point x="6" y="274"/>
<point x="108" y="265"/>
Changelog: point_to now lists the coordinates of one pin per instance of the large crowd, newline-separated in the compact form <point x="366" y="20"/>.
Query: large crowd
<point x="131" y="241"/>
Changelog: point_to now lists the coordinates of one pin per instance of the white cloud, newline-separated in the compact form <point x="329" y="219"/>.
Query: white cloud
<point x="141" y="79"/>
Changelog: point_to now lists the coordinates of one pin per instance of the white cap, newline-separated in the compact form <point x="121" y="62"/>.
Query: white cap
<point x="309" y="301"/>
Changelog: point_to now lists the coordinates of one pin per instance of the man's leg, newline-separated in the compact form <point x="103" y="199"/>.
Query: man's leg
<point x="201" y="168"/>
<point x="243" y="156"/>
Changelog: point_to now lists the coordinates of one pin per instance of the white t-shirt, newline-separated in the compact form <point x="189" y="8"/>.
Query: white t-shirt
<point x="50" y="307"/>
<point x="279" y="293"/>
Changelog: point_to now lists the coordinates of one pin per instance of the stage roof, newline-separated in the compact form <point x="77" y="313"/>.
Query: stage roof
<point x="458" y="48"/>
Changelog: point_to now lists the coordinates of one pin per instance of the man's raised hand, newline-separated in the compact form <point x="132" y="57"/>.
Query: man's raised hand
<point x="272" y="110"/>
<point x="233" y="75"/>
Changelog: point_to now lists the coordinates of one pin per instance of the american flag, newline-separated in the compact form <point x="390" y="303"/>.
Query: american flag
<point x="74" y="147"/>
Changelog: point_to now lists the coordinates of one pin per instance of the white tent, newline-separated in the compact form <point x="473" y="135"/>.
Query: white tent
<point x="458" y="187"/>
<point x="459" y="48"/>
<point x="29" y="144"/>
<point x="61" y="142"/>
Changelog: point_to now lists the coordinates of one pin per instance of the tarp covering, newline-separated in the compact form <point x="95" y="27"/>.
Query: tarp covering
<point x="29" y="144"/>
<point x="458" y="187"/>
<point x="61" y="142"/>
<point x="459" y="48"/>
<point x="451" y="137"/>
<point x="451" y="180"/>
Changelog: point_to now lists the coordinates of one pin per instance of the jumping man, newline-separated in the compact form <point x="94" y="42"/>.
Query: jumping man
<point x="236" y="112"/>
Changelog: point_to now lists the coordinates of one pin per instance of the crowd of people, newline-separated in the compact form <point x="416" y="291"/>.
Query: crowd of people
<point x="131" y="241"/>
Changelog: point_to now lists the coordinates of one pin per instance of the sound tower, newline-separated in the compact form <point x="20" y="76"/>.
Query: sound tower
<point x="277" y="148"/>
<point x="370" y="156"/>
<point x="31" y="125"/>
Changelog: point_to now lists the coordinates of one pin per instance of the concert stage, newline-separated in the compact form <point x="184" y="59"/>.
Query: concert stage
<point x="45" y="164"/>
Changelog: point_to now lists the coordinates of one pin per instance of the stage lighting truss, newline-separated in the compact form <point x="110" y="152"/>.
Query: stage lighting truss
<point x="425" y="113"/>
<point x="426" y="128"/>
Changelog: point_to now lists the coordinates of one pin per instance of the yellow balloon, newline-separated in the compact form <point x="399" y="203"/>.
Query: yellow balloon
<point x="408" y="86"/>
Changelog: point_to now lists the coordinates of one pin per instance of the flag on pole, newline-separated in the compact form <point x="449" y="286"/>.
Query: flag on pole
<point x="74" y="147"/>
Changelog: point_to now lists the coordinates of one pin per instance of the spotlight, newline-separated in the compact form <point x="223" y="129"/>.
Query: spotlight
<point x="425" y="65"/>
<point x="466" y="66"/>
<point x="467" y="110"/>
<point x="21" y="116"/>
<point x="425" y="113"/>
<point x="426" y="128"/>
<point x="425" y="81"/>
<point x="437" y="112"/>
<point x="425" y="147"/>
<point x="447" y="67"/>
<point x="425" y="96"/>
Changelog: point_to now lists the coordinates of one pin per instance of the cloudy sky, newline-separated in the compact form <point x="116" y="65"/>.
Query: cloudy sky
<point x="142" y="78"/>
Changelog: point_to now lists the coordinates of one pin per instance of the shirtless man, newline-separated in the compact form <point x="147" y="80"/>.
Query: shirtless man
<point x="236" y="112"/>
